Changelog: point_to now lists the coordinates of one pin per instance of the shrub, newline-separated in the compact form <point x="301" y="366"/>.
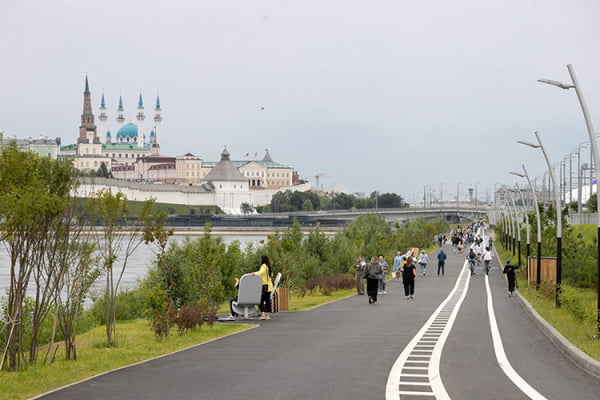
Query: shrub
<point x="572" y="300"/>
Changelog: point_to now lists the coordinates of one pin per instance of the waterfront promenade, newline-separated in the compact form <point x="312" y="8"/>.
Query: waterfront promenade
<point x="352" y="350"/>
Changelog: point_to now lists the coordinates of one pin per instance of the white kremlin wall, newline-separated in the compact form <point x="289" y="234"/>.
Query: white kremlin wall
<point x="229" y="201"/>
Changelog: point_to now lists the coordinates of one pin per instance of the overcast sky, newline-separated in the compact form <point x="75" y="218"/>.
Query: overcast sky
<point x="387" y="95"/>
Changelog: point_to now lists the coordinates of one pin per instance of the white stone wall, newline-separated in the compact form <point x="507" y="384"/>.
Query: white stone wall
<point x="228" y="201"/>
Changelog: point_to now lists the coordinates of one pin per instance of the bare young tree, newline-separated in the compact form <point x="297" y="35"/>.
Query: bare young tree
<point x="118" y="238"/>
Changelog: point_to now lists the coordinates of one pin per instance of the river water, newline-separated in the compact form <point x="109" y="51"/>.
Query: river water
<point x="137" y="265"/>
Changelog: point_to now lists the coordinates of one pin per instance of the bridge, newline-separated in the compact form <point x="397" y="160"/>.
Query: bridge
<point x="332" y="218"/>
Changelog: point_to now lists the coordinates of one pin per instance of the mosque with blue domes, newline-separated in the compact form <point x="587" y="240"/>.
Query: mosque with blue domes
<point x="96" y="144"/>
<point x="132" y="156"/>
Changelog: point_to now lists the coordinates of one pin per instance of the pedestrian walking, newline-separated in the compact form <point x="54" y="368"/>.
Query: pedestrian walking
<point x="471" y="258"/>
<point x="423" y="260"/>
<point x="384" y="271"/>
<point x="478" y="251"/>
<point x="397" y="263"/>
<point x="455" y="241"/>
<point x="441" y="261"/>
<point x="487" y="259"/>
<point x="511" y="276"/>
<point x="409" y="274"/>
<point x="359" y="267"/>
<point x="372" y="273"/>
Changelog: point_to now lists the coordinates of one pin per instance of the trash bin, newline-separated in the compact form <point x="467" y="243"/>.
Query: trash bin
<point x="283" y="298"/>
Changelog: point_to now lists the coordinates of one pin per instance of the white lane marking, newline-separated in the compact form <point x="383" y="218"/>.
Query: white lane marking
<point x="393" y="391"/>
<point x="437" y="386"/>
<point x="501" y="355"/>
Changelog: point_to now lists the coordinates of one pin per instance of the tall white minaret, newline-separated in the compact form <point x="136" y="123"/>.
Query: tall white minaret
<point x="157" y="120"/>
<point x="120" y="117"/>
<point x="140" y="120"/>
<point x="102" y="118"/>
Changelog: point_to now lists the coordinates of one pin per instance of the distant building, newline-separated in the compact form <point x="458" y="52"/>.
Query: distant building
<point x="43" y="145"/>
<point x="129" y="156"/>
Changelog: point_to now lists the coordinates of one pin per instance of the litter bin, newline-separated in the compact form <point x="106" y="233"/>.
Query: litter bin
<point x="282" y="299"/>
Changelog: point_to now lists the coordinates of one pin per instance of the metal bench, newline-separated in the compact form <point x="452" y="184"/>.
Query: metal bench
<point x="249" y="293"/>
<point x="274" y="294"/>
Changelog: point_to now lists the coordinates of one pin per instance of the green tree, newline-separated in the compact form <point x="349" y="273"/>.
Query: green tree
<point x="103" y="171"/>
<point x="117" y="241"/>
<point x="34" y="193"/>
<point x="344" y="201"/>
<point x="246" y="208"/>
<point x="307" y="205"/>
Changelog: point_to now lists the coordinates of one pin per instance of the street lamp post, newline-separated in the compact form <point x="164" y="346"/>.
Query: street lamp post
<point x="516" y="225"/>
<point x="594" y="144"/>
<point x="539" y="227"/>
<point x="558" y="216"/>
<point x="579" y="175"/>
<point x="457" y="201"/>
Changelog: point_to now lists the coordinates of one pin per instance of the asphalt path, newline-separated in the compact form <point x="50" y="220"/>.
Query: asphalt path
<point x="346" y="349"/>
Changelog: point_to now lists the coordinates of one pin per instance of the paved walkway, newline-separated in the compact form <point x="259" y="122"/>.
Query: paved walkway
<point x="346" y="349"/>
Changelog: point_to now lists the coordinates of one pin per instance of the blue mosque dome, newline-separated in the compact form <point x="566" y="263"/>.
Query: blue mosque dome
<point x="129" y="130"/>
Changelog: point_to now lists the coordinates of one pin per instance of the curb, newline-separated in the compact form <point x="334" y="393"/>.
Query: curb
<point x="582" y="360"/>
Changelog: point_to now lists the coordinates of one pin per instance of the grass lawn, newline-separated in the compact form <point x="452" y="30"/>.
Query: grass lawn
<point x="579" y="333"/>
<point x="136" y="343"/>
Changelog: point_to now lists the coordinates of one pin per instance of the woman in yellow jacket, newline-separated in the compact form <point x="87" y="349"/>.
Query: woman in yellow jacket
<point x="265" y="273"/>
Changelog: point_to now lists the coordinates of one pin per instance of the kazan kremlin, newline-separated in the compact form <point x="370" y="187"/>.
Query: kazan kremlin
<point x="141" y="172"/>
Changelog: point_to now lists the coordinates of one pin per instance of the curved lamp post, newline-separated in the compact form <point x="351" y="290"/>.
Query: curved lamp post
<point x="594" y="144"/>
<point x="527" y="230"/>
<point x="557" y="205"/>
<point x="539" y="226"/>
<point x="516" y="224"/>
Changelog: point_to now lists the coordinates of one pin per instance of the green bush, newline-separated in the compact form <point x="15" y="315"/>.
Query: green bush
<point x="130" y="305"/>
<point x="582" y="308"/>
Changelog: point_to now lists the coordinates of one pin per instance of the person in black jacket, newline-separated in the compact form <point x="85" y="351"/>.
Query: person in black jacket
<point x="409" y="274"/>
<point x="372" y="274"/>
<point x="509" y="270"/>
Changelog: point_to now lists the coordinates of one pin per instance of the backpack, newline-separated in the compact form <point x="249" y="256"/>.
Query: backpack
<point x="471" y="254"/>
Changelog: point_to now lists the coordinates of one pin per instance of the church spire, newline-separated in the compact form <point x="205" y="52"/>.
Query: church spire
<point x="87" y="128"/>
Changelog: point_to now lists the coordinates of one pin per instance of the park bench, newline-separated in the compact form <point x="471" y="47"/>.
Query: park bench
<point x="274" y="294"/>
<point x="249" y="293"/>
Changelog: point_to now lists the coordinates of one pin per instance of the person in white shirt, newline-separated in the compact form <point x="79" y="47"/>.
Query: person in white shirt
<point x="487" y="259"/>
<point x="423" y="260"/>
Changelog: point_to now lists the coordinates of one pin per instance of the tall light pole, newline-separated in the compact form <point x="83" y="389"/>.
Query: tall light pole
<point x="580" y="174"/>
<point x="539" y="226"/>
<point x="527" y="230"/>
<point x="558" y="215"/>
<point x="476" y="201"/>
<point x="594" y="144"/>
<point x="457" y="200"/>
<point x="516" y="224"/>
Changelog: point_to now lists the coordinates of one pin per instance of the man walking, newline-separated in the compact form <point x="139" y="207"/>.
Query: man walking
<point x="383" y="279"/>
<point x="359" y="268"/>
<point x="441" y="261"/>
<point x="509" y="270"/>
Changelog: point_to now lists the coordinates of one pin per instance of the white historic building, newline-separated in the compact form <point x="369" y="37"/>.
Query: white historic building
<point x="135" y="160"/>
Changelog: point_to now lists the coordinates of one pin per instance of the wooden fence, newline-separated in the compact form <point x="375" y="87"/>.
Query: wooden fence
<point x="547" y="270"/>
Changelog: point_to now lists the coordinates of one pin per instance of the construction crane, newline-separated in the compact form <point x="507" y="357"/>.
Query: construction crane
<point x="317" y="176"/>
